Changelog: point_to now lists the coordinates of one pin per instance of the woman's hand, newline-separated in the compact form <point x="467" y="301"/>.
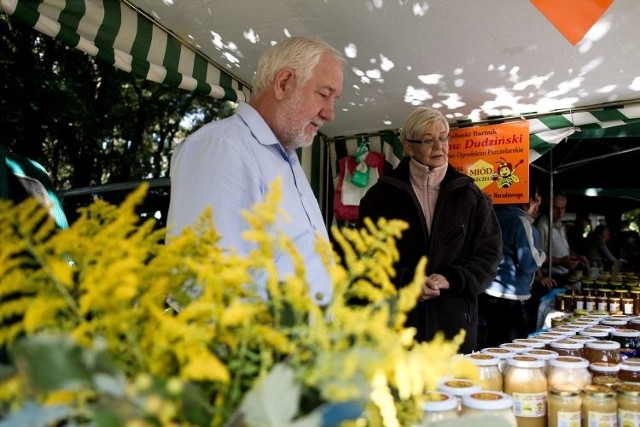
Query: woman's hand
<point x="432" y="285"/>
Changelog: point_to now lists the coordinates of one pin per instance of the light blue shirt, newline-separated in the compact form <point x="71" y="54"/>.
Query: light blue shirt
<point x="229" y="165"/>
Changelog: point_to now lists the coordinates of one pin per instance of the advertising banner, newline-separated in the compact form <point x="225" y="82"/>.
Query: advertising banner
<point x="496" y="157"/>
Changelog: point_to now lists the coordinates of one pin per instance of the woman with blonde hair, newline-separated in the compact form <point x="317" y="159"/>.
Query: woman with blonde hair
<point x="451" y="222"/>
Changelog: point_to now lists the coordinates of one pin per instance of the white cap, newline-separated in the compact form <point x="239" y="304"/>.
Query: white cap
<point x="439" y="401"/>
<point x="488" y="400"/>
<point x="571" y="362"/>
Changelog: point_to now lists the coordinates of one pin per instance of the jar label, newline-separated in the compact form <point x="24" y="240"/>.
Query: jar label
<point x="601" y="419"/>
<point x="628" y="418"/>
<point x="590" y="306"/>
<point x="568" y="419"/>
<point x="529" y="404"/>
<point x="628" y="308"/>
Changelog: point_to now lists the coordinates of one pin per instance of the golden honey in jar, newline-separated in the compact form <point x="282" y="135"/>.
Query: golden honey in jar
<point x="630" y="371"/>
<point x="568" y="373"/>
<point x="545" y="355"/>
<point x="458" y="387"/>
<point x="602" y="351"/>
<point x="526" y="382"/>
<point x="563" y="408"/>
<point x="628" y="404"/>
<point x="515" y="347"/>
<point x="567" y="347"/>
<point x="438" y="406"/>
<point x="489" y="375"/>
<point x="502" y="353"/>
<point x="604" y="369"/>
<point x="606" y="381"/>
<point x="492" y="403"/>
<point x="599" y="407"/>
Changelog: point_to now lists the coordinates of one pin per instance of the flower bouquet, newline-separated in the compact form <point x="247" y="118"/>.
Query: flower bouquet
<point x="104" y="324"/>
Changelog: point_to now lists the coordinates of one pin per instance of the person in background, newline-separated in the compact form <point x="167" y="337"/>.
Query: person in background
<point x="597" y="251"/>
<point x="563" y="258"/>
<point x="229" y="164"/>
<point x="451" y="222"/>
<point x="502" y="306"/>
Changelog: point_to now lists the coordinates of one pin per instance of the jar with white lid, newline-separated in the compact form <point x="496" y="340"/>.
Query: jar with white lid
<point x="567" y="347"/>
<point x="594" y="333"/>
<point x="630" y="371"/>
<point x="602" y="351"/>
<point x="545" y="355"/>
<point x="530" y="342"/>
<point x="488" y="403"/>
<point x="516" y="348"/>
<point x="599" y="369"/>
<point x="563" y="408"/>
<point x="615" y="323"/>
<point x="458" y="387"/>
<point x="438" y="406"/>
<point x="582" y="339"/>
<point x="502" y="353"/>
<point x="489" y="375"/>
<point x="526" y="382"/>
<point x="568" y="373"/>
<point x="629" y="340"/>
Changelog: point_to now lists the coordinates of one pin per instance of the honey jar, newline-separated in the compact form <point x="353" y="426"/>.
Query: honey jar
<point x="628" y="404"/>
<point x="599" y="406"/>
<point x="602" y="351"/>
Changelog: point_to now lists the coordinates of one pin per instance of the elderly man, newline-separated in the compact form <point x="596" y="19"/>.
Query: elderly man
<point x="229" y="164"/>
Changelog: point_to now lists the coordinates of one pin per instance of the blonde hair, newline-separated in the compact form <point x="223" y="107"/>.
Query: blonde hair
<point x="301" y="54"/>
<point x="417" y="122"/>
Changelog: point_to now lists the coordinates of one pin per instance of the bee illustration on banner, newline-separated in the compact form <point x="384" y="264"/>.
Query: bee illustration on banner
<point x="506" y="173"/>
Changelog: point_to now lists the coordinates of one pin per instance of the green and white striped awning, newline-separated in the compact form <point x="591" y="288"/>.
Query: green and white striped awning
<point x="115" y="32"/>
<point x="547" y="131"/>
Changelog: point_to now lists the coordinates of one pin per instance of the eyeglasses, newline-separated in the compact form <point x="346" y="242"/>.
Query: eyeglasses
<point x="429" y="140"/>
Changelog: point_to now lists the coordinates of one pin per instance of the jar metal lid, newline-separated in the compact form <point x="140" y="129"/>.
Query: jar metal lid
<point x="603" y="345"/>
<point x="596" y="390"/>
<point x="628" y="389"/>
<point x="488" y="400"/>
<point x="570" y="362"/>
<point x="526" y="362"/>
<point x="439" y="401"/>
<point x="483" y="359"/>
<point x="564" y="393"/>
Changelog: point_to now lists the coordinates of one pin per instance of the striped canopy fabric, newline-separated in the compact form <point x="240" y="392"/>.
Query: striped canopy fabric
<point x="547" y="131"/>
<point x="115" y="32"/>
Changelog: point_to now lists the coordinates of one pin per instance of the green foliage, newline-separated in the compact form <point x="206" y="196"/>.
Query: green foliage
<point x="83" y="120"/>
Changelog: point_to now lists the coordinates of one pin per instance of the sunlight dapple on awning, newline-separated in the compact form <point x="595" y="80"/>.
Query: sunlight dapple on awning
<point x="115" y="32"/>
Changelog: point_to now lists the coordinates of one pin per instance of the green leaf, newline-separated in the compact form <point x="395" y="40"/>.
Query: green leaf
<point x="56" y="362"/>
<point x="274" y="401"/>
<point x="34" y="415"/>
